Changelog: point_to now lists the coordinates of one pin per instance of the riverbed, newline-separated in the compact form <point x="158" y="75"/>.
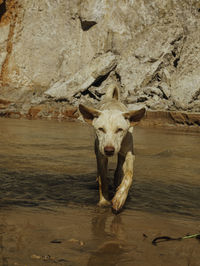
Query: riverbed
<point x="49" y="195"/>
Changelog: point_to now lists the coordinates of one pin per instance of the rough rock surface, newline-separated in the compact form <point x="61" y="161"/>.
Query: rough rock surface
<point x="84" y="78"/>
<point x="55" y="48"/>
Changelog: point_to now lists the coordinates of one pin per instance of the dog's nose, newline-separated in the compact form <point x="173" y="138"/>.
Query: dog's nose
<point x="109" y="150"/>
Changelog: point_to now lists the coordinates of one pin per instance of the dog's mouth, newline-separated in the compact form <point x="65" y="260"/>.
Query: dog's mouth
<point x="109" y="154"/>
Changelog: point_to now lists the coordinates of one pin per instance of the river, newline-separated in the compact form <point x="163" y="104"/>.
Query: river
<point x="48" y="198"/>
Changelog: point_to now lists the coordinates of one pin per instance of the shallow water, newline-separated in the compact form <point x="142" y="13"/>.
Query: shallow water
<point x="47" y="163"/>
<point x="48" y="170"/>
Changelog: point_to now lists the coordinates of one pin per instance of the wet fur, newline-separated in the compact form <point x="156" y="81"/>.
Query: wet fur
<point x="113" y="127"/>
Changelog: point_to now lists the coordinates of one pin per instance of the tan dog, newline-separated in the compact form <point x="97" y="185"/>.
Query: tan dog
<point x="113" y="127"/>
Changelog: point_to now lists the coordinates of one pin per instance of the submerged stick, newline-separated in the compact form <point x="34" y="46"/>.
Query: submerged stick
<point x="197" y="236"/>
<point x="167" y="238"/>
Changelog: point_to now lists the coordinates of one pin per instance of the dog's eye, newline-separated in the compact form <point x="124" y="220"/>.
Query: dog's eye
<point x="119" y="130"/>
<point x="102" y="129"/>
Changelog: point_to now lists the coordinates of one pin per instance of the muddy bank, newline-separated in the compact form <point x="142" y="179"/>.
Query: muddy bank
<point x="48" y="198"/>
<point x="62" y="111"/>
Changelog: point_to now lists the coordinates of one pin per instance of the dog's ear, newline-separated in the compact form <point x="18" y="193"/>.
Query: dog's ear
<point x="88" y="113"/>
<point x="134" y="116"/>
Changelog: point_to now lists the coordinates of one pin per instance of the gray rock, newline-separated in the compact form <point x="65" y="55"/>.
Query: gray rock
<point x="151" y="91"/>
<point x="4" y="32"/>
<point x="165" y="90"/>
<point x="50" y="46"/>
<point x="85" y="77"/>
<point x="186" y="81"/>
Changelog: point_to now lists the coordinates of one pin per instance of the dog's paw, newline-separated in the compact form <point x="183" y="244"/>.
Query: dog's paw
<point x="118" y="201"/>
<point x="104" y="203"/>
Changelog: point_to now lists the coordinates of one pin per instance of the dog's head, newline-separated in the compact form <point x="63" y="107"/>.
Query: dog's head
<point x="111" y="126"/>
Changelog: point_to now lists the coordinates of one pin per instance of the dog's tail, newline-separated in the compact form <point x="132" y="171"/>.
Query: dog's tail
<point x="113" y="92"/>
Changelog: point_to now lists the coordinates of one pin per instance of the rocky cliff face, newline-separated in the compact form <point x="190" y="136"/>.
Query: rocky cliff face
<point x="56" y="53"/>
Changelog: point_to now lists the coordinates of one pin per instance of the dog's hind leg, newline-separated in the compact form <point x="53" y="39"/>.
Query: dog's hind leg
<point x="122" y="191"/>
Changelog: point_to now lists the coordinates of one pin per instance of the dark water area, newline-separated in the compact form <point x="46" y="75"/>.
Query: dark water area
<point x="50" y="163"/>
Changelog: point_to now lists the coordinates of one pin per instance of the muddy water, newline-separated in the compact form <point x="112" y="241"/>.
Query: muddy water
<point x="48" y="197"/>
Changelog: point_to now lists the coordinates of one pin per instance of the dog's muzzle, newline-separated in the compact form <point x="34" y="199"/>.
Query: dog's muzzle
<point x="109" y="150"/>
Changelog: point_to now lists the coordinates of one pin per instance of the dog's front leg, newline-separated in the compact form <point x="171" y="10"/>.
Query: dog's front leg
<point x="102" y="165"/>
<point x="122" y="191"/>
<point x="119" y="173"/>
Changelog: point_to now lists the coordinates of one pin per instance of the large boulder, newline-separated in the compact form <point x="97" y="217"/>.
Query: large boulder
<point x="84" y="78"/>
<point x="186" y="81"/>
<point x="50" y="47"/>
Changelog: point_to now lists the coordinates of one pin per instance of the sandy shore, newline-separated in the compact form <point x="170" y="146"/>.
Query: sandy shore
<point x="94" y="236"/>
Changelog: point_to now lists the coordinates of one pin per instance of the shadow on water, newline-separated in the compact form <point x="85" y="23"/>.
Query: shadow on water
<point x="44" y="189"/>
<point x="50" y="190"/>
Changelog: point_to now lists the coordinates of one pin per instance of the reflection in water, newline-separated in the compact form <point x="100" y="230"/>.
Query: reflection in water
<point x="107" y="230"/>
